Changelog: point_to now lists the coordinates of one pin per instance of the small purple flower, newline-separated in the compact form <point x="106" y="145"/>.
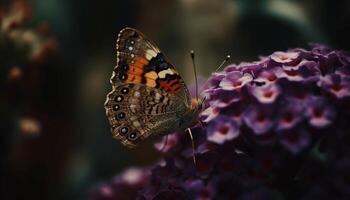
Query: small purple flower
<point x="167" y="142"/>
<point x="319" y="113"/>
<point x="222" y="129"/>
<point x="106" y="191"/>
<point x="235" y="111"/>
<point x="200" y="190"/>
<point x="223" y="98"/>
<point x="235" y="80"/>
<point x="292" y="91"/>
<point x="284" y="57"/>
<point x="291" y="75"/>
<point x="266" y="94"/>
<point x="343" y="71"/>
<point x="267" y="76"/>
<point x="344" y="57"/>
<point x="290" y="114"/>
<point x="251" y="68"/>
<point x="134" y="176"/>
<point x="124" y="186"/>
<point x="258" y="118"/>
<point x="336" y="84"/>
<point x="210" y="113"/>
<point x="320" y="50"/>
<point x="304" y="63"/>
<point x="295" y="140"/>
<point x="230" y="68"/>
<point x="216" y="78"/>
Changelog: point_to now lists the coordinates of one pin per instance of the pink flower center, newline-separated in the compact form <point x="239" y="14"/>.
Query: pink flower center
<point x="288" y="117"/>
<point x="291" y="72"/>
<point x="271" y="77"/>
<point x="237" y="83"/>
<point x="260" y="117"/>
<point x="284" y="57"/>
<point x="337" y="87"/>
<point x="293" y="138"/>
<point x="268" y="94"/>
<point x="300" y="96"/>
<point x="237" y="113"/>
<point x="224" y="130"/>
<point x="318" y="113"/>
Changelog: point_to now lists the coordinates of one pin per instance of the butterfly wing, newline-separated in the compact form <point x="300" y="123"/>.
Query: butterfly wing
<point x="137" y="112"/>
<point x="148" y="93"/>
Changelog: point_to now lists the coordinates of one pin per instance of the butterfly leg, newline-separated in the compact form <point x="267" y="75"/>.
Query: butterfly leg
<point x="193" y="153"/>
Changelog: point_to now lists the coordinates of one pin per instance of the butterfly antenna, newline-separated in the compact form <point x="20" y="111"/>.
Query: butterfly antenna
<point x="195" y="72"/>
<point x="223" y="63"/>
<point x="192" y="141"/>
<point x="220" y="66"/>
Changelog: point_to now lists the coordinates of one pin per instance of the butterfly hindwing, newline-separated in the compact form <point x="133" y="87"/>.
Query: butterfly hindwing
<point x="137" y="112"/>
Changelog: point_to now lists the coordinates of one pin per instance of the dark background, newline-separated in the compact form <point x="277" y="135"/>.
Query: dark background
<point x="74" y="150"/>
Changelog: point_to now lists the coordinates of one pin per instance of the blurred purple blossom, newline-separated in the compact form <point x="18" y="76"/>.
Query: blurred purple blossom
<point x="284" y="57"/>
<point x="272" y="129"/>
<point x="258" y="118"/>
<point x="337" y="85"/>
<point x="234" y="80"/>
<point x="222" y="129"/>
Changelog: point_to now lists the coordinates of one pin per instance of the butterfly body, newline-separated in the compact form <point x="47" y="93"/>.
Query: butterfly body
<point x="148" y="96"/>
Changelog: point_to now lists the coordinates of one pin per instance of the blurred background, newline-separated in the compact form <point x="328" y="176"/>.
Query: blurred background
<point x="56" y="58"/>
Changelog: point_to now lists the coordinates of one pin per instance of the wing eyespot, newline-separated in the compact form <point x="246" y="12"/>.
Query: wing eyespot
<point x="124" y="67"/>
<point x="116" y="107"/>
<point x="119" y="98"/>
<point x="124" y="90"/>
<point x="123" y="130"/>
<point x="120" y="115"/>
<point x="132" y="136"/>
<point x="123" y="76"/>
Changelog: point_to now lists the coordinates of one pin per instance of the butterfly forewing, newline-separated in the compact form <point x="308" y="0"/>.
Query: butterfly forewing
<point x="141" y="62"/>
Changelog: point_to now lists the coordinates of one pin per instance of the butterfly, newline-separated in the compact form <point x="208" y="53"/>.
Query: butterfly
<point x="148" y="98"/>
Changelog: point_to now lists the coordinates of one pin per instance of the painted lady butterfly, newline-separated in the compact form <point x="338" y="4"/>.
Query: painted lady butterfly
<point x="148" y="97"/>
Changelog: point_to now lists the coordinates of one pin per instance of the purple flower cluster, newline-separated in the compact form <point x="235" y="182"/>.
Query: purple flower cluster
<point x="286" y="97"/>
<point x="272" y="129"/>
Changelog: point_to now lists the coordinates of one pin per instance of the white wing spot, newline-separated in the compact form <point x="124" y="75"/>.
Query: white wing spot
<point x="119" y="98"/>
<point x="150" y="54"/>
<point x="163" y="73"/>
